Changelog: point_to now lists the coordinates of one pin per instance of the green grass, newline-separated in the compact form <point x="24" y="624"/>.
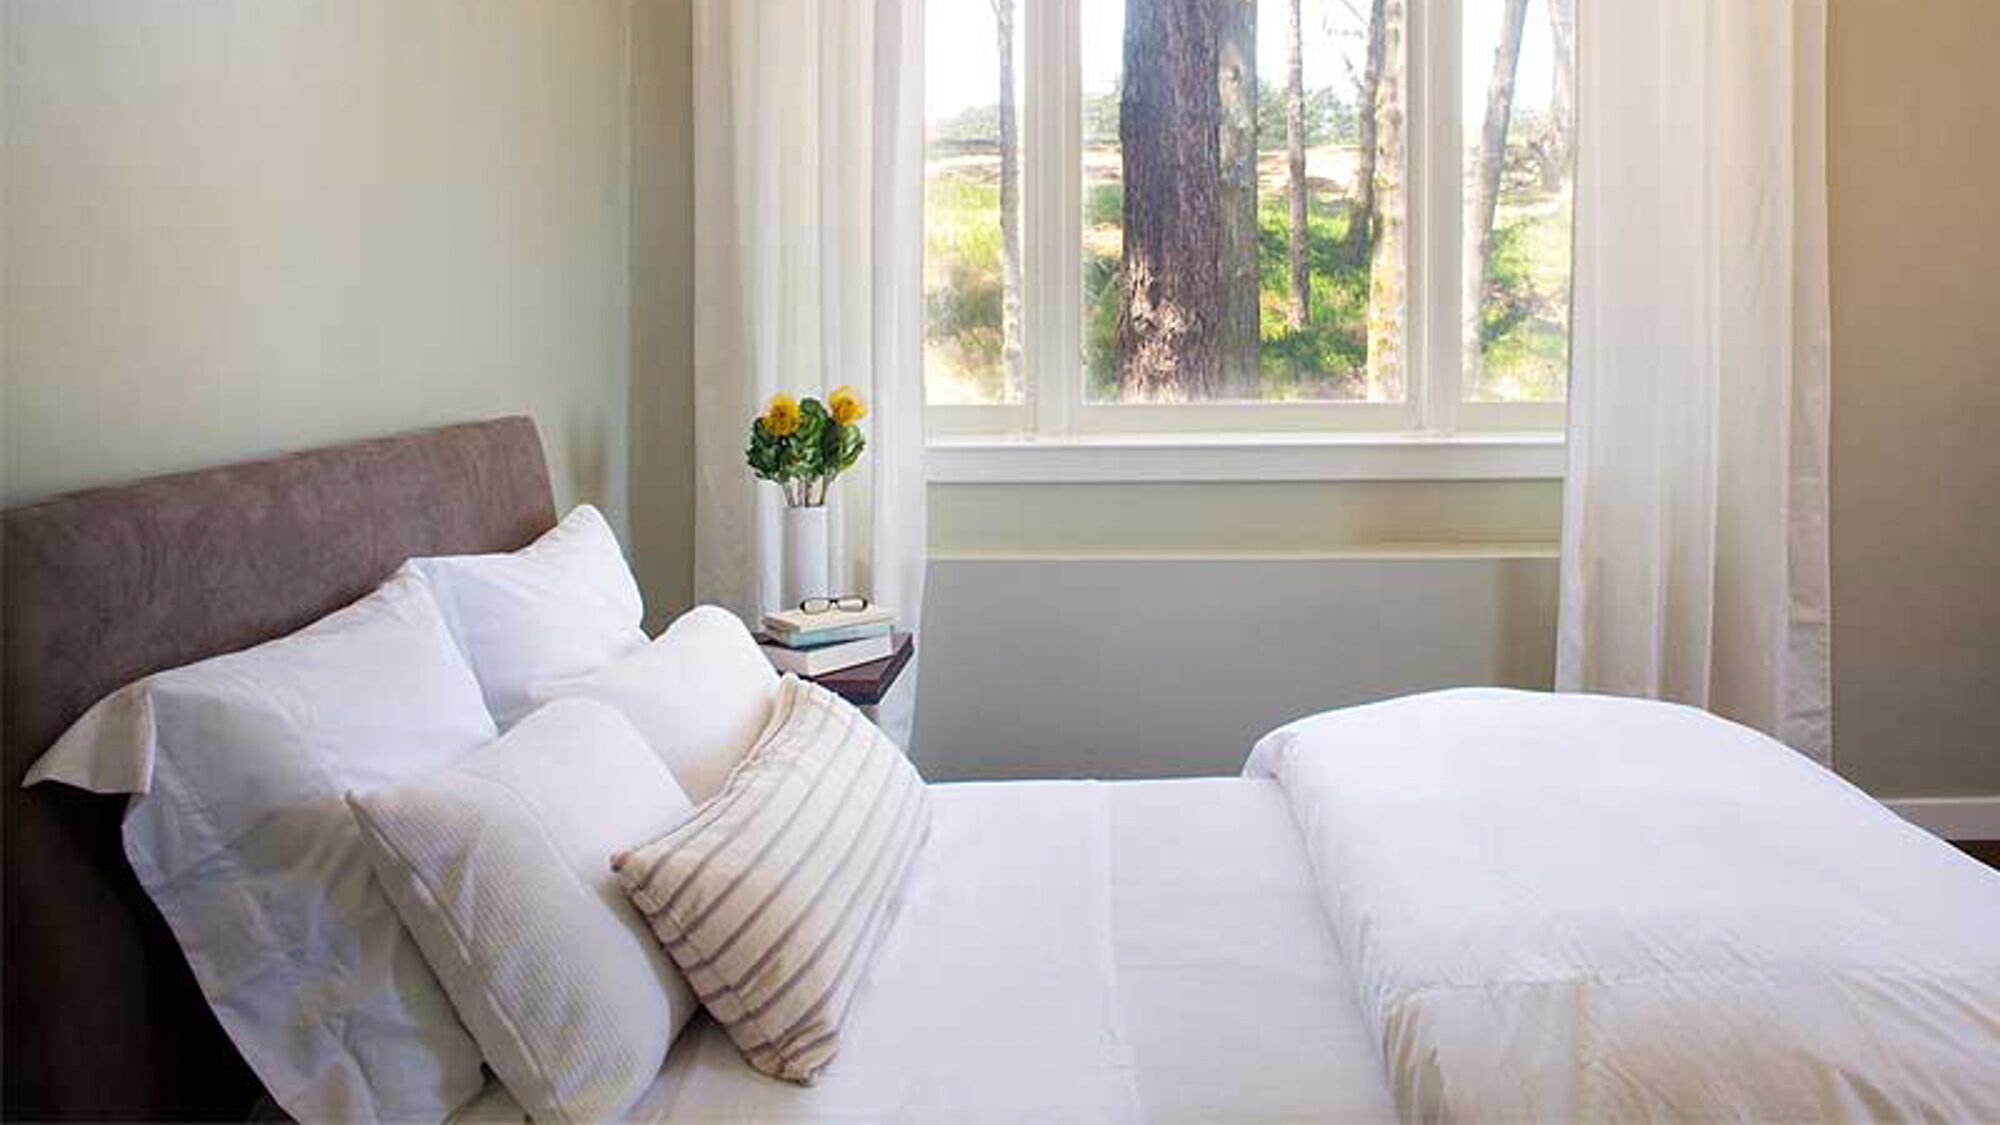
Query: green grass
<point x="963" y="287"/>
<point x="1524" y="312"/>
<point x="1328" y="357"/>
<point x="1103" y="204"/>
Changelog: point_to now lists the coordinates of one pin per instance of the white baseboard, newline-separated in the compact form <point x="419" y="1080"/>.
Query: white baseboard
<point x="1954" y="818"/>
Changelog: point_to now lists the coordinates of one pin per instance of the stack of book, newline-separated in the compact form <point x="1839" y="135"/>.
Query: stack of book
<point x="813" y="644"/>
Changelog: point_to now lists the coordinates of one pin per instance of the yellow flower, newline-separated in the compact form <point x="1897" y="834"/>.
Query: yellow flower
<point x="846" y="406"/>
<point x="781" y="417"/>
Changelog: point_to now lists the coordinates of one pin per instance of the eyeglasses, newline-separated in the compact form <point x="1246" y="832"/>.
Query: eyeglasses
<point x="846" y="603"/>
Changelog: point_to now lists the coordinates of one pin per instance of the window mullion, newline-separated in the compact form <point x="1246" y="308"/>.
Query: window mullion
<point x="1066" y="231"/>
<point x="1437" y="173"/>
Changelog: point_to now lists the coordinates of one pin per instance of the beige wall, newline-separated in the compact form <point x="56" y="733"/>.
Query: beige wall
<point x="1914" y="89"/>
<point x="236" y="227"/>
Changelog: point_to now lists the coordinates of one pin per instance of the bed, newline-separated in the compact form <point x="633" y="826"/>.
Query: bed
<point x="1461" y="905"/>
<point x="104" y="587"/>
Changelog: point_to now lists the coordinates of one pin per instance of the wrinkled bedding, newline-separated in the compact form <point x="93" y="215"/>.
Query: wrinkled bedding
<point x="1576" y="907"/>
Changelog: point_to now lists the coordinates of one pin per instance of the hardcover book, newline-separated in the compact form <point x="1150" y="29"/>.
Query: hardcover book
<point x="794" y="621"/>
<point x="829" y="658"/>
<point x="820" y="638"/>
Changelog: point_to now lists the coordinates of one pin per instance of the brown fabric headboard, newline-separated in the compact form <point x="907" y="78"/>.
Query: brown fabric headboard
<point x="100" y="588"/>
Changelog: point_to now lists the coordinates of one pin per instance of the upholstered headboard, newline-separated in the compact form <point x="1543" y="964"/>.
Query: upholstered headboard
<point x="99" y="588"/>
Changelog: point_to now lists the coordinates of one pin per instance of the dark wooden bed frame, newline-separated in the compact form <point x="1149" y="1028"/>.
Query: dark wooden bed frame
<point x="97" y="589"/>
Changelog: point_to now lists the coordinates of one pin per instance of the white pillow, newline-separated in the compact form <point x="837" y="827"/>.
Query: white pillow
<point x="700" y="694"/>
<point x="240" y="834"/>
<point x="501" y="867"/>
<point x="561" y="606"/>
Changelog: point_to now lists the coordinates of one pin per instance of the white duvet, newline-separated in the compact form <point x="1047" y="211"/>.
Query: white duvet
<point x="1582" y="908"/>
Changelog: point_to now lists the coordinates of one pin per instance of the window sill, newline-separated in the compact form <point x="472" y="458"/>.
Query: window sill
<point x="1154" y="458"/>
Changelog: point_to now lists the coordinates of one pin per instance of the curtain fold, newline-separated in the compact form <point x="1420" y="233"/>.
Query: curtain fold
<point x="808" y="124"/>
<point x="1694" y="558"/>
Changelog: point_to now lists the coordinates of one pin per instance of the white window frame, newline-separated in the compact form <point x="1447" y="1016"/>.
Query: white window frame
<point x="1055" y="435"/>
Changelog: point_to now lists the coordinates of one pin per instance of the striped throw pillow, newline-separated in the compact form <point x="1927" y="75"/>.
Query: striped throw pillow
<point x="773" y="896"/>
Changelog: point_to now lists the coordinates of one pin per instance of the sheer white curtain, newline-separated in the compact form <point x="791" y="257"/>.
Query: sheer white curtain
<point x="808" y="275"/>
<point x="1694" y="560"/>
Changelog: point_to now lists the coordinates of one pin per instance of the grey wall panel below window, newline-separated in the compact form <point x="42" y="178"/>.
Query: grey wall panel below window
<point x="1155" y="667"/>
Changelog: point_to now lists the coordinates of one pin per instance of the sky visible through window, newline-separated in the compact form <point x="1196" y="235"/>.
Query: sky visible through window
<point x="960" y="34"/>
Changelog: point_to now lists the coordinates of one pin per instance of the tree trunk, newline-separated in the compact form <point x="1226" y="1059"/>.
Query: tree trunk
<point x="1298" y="309"/>
<point x="1562" y="101"/>
<point x="1236" y="74"/>
<point x="1361" y="219"/>
<point x="1168" y="120"/>
<point x="1388" y="271"/>
<point x="1010" y="206"/>
<point x="1484" y="196"/>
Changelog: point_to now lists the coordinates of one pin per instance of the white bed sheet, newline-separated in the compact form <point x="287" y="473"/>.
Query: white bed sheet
<point x="1079" y="951"/>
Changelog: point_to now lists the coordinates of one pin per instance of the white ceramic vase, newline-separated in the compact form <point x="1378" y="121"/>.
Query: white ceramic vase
<point x="804" y="574"/>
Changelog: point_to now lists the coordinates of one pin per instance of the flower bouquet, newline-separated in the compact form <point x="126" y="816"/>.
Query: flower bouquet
<point x="803" y="446"/>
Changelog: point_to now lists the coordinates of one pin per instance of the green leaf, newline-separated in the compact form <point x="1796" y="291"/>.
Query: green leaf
<point x="850" y="445"/>
<point x="820" y="447"/>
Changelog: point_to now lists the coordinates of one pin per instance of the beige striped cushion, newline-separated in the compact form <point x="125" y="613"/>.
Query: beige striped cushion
<point x="774" y="895"/>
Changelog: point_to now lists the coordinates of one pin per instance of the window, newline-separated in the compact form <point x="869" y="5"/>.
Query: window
<point x="1240" y="216"/>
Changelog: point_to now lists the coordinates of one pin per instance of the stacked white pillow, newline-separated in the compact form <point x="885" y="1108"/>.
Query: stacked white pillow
<point x="499" y="865"/>
<point x="559" y="619"/>
<point x="240" y="834"/>
<point x="700" y="695"/>
<point x="564" y="605"/>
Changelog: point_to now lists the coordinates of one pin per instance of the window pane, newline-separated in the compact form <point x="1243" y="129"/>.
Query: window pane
<point x="1519" y="135"/>
<point x="972" y="208"/>
<point x="1243" y="207"/>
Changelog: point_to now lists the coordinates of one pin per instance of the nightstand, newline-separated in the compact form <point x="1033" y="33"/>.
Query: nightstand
<point x="864" y="685"/>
